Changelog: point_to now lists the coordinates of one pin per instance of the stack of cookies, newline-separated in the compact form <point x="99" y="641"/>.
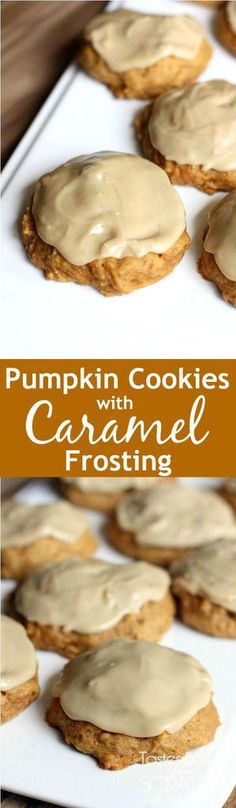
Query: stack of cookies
<point x="134" y="232"/>
<point x="107" y="618"/>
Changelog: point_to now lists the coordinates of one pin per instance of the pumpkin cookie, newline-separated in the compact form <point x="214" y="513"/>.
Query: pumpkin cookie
<point x="102" y="238"/>
<point x="226" y="26"/>
<point x="124" y="701"/>
<point x="141" y="55"/>
<point x="19" y="676"/>
<point x="218" y="260"/>
<point x="228" y="491"/>
<point x="75" y="605"/>
<point x="102" y="493"/>
<point x="191" y="133"/>
<point x="33" y="535"/>
<point x="159" y="526"/>
<point x="204" y="583"/>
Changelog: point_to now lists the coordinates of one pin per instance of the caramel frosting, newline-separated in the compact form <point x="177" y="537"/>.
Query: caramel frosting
<point x="134" y="687"/>
<point x="107" y="205"/>
<point x="18" y="658"/>
<point x="109" y="485"/>
<point x="210" y="573"/>
<point x="176" y="517"/>
<point x="128" y="40"/>
<point x="197" y="125"/>
<point x="89" y="596"/>
<point x="221" y="235"/>
<point x="231" y="15"/>
<point x="22" y="523"/>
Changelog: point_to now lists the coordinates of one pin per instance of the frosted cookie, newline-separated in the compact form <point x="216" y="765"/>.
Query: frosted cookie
<point x="126" y="700"/>
<point x="226" y="26"/>
<point x="159" y="526"/>
<point x="204" y="583"/>
<point x="218" y="260"/>
<point x="141" y="55"/>
<point x="33" y="535"/>
<point x="102" y="493"/>
<point x="75" y="605"/>
<point x="107" y="220"/>
<point x="228" y="491"/>
<point x="19" y="676"/>
<point x="191" y="133"/>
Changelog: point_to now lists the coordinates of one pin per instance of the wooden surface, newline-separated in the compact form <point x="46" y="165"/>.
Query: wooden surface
<point x="10" y="801"/>
<point x="39" y="39"/>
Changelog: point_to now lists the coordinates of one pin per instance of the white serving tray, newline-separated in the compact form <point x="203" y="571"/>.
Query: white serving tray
<point x="183" y="316"/>
<point x="37" y="762"/>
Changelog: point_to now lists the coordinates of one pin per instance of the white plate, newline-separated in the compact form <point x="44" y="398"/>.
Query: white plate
<point x="182" y="316"/>
<point x="37" y="762"/>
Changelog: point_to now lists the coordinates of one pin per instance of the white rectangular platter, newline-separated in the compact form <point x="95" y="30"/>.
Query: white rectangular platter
<point x="37" y="762"/>
<point x="183" y="315"/>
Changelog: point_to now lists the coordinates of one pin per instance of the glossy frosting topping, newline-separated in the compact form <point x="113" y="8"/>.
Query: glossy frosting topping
<point x="231" y="15"/>
<point x="127" y="40"/>
<point x="197" y="125"/>
<point x="22" y="523"/>
<point x="18" y="657"/>
<point x="89" y="596"/>
<point x="109" y="485"/>
<point x="108" y="205"/>
<point x="220" y="239"/>
<point x="134" y="687"/>
<point x="176" y="517"/>
<point x="210" y="573"/>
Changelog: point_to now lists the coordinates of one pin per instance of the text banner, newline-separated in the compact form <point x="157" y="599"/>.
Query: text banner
<point x="114" y="417"/>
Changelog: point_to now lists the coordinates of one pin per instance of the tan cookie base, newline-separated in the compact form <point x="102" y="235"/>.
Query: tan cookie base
<point x="229" y="496"/>
<point x="110" y="276"/>
<point x="86" y="499"/>
<point x="209" y="270"/>
<point x="147" y="82"/>
<point x="115" y="751"/>
<point x="203" y="615"/>
<point x="124" y="542"/>
<point x="207" y="181"/>
<point x="225" y="33"/>
<point x="150" y="624"/>
<point x="18" y="562"/>
<point x="16" y="700"/>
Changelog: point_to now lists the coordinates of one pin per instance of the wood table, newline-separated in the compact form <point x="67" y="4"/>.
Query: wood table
<point x="12" y="801"/>
<point x="39" y="39"/>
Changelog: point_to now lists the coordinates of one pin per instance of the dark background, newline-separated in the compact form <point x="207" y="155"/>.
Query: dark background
<point x="39" y="39"/>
